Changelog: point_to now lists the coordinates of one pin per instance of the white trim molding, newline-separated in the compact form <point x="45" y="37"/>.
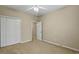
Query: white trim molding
<point x="25" y="41"/>
<point x="57" y="44"/>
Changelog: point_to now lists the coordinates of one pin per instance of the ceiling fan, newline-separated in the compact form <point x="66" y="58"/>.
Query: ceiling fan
<point x="36" y="8"/>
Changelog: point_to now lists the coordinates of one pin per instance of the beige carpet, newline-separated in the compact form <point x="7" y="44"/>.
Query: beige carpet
<point x="35" y="46"/>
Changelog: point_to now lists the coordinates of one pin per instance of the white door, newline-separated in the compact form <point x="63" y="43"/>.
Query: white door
<point x="10" y="31"/>
<point x="3" y="31"/>
<point x="13" y="31"/>
<point x="39" y="30"/>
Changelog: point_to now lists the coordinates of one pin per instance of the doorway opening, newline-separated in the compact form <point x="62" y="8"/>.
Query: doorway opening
<point x="37" y="31"/>
<point x="34" y="31"/>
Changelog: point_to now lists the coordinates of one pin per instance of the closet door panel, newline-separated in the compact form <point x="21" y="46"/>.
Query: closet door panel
<point x="17" y="30"/>
<point x="17" y="33"/>
<point x="12" y="31"/>
<point x="3" y="31"/>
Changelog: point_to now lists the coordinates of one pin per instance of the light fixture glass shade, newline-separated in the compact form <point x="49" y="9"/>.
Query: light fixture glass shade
<point x="36" y="9"/>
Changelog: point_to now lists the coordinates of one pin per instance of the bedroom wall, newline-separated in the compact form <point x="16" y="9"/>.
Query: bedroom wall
<point x="26" y="22"/>
<point x="62" y="27"/>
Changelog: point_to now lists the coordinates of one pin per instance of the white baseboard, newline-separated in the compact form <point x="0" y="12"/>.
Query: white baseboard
<point x="25" y="41"/>
<point x="74" y="49"/>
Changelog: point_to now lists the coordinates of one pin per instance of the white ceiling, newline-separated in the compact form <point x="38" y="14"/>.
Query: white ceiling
<point x="25" y="8"/>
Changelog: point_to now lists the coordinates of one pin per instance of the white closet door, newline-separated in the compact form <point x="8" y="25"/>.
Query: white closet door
<point x="13" y="31"/>
<point x="3" y="31"/>
<point x="10" y="30"/>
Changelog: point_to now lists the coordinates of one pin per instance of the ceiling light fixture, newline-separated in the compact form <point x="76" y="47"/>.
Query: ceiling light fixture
<point x="36" y="9"/>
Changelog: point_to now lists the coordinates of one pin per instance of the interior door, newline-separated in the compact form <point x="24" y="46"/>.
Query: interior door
<point x="10" y="30"/>
<point x="13" y="31"/>
<point x="3" y="31"/>
<point x="39" y="30"/>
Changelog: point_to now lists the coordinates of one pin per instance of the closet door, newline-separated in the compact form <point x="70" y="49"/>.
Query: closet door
<point x="13" y="30"/>
<point x="10" y="30"/>
<point x="3" y="31"/>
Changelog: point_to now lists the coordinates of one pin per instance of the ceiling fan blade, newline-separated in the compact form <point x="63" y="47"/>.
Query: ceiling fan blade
<point x="42" y="8"/>
<point x="30" y="8"/>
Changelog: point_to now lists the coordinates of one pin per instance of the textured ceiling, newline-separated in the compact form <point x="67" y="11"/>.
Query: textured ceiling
<point x="25" y="8"/>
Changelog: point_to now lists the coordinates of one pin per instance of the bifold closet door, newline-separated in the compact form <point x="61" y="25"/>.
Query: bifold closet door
<point x="11" y="30"/>
<point x="3" y="31"/>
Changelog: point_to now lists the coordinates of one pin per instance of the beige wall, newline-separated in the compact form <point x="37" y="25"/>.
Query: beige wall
<point x="26" y="24"/>
<point x="62" y="26"/>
